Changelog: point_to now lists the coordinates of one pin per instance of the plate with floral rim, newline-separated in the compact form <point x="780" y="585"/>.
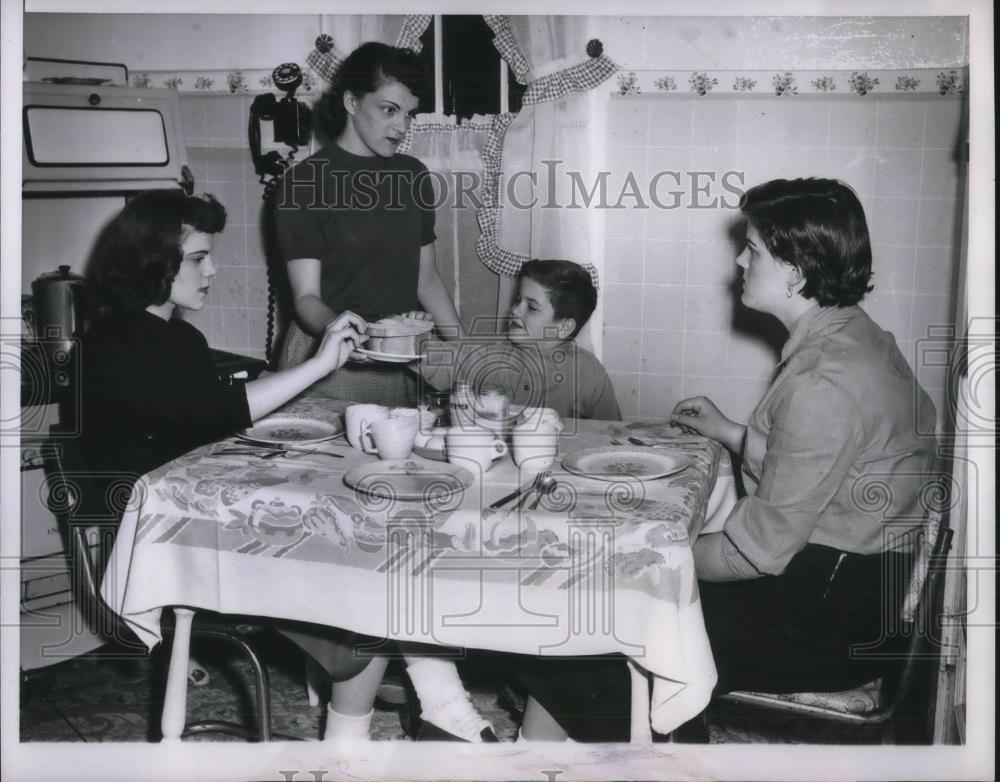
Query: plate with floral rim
<point x="624" y="462"/>
<point x="290" y="430"/>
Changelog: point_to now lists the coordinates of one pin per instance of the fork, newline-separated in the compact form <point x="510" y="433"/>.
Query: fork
<point x="272" y="453"/>
<point x="534" y="488"/>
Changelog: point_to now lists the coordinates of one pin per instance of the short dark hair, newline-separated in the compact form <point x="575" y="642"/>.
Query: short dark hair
<point x="365" y="70"/>
<point x="818" y="226"/>
<point x="138" y="254"/>
<point x="570" y="287"/>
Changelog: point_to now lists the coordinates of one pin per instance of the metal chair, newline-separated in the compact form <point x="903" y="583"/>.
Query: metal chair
<point x="875" y="702"/>
<point x="71" y="486"/>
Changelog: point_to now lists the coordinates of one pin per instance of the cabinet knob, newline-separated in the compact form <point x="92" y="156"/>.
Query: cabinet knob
<point x="93" y="99"/>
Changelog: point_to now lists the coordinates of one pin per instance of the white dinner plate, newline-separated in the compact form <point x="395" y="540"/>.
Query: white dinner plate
<point x="624" y="462"/>
<point x="389" y="358"/>
<point x="289" y="430"/>
<point x="409" y="479"/>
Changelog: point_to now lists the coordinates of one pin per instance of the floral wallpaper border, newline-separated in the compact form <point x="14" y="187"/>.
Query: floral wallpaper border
<point x="858" y="83"/>
<point x="941" y="81"/>
<point x="237" y="82"/>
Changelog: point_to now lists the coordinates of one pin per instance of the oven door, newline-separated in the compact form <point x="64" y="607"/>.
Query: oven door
<point x="87" y="139"/>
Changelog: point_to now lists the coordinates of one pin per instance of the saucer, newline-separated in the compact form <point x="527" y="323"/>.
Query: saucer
<point x="389" y="358"/>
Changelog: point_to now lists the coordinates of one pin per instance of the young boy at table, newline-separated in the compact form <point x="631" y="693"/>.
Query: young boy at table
<point x="538" y="363"/>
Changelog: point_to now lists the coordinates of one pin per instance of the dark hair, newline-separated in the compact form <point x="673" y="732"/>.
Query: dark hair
<point x="570" y="288"/>
<point x="818" y="226"/>
<point x="364" y="71"/>
<point x="138" y="253"/>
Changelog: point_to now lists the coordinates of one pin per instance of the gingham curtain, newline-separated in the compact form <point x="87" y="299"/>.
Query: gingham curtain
<point x="453" y="153"/>
<point x="345" y="32"/>
<point x="561" y="62"/>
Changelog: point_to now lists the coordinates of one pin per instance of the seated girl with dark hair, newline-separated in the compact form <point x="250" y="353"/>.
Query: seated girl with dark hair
<point x="149" y="389"/>
<point x="150" y="393"/>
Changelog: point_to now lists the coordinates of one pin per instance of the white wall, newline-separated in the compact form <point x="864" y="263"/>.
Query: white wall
<point x="786" y="43"/>
<point x="222" y="42"/>
<point x="170" y="42"/>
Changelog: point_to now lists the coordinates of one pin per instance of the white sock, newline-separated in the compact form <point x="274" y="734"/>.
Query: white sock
<point x="444" y="700"/>
<point x="346" y="728"/>
<point x="435" y="680"/>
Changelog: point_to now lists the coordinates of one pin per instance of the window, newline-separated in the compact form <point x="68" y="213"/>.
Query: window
<point x="473" y="71"/>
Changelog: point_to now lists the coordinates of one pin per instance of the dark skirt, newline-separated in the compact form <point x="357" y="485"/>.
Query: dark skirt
<point x="343" y="654"/>
<point x="828" y="623"/>
<point x="590" y="698"/>
<point x="379" y="384"/>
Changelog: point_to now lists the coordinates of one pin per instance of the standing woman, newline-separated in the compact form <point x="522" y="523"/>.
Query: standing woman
<point x="355" y="221"/>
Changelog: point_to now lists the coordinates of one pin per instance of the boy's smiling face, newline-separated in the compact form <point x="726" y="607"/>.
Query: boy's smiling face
<point x="532" y="316"/>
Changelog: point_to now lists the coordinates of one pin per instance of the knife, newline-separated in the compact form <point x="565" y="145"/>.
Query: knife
<point x="666" y="443"/>
<point x="513" y="495"/>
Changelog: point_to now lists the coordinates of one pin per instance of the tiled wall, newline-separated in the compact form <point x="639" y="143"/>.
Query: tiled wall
<point x="215" y="132"/>
<point x="672" y="324"/>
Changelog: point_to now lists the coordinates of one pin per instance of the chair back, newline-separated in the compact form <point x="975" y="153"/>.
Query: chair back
<point x="90" y="537"/>
<point x="919" y="602"/>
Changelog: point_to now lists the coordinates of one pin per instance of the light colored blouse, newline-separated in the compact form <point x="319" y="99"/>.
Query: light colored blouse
<point x="839" y="447"/>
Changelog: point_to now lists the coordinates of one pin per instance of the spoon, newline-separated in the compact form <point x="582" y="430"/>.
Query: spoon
<point x="534" y="487"/>
<point x="546" y="485"/>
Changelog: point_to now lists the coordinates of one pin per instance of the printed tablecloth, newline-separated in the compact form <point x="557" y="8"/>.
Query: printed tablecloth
<point x="597" y="567"/>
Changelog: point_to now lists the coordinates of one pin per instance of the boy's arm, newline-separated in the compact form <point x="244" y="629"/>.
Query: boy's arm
<point x="606" y="403"/>
<point x="603" y="402"/>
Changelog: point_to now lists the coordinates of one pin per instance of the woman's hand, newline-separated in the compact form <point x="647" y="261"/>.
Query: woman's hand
<point x="341" y="337"/>
<point x="701" y="414"/>
<point x="417" y="315"/>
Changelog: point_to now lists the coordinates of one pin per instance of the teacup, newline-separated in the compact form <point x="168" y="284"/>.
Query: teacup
<point x="405" y="412"/>
<point x="470" y="444"/>
<point x="539" y="415"/>
<point x="393" y="437"/>
<point x="535" y="444"/>
<point x="401" y="345"/>
<point x="359" y="419"/>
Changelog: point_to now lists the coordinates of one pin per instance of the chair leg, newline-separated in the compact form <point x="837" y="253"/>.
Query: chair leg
<point x="261" y="684"/>
<point x="175" y="700"/>
<point x="316" y="681"/>
<point x="173" y="722"/>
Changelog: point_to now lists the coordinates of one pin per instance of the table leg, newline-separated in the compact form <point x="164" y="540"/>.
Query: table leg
<point x="175" y="700"/>
<point x="641" y="731"/>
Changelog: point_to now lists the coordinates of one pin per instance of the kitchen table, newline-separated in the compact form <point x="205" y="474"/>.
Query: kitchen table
<point x="597" y="567"/>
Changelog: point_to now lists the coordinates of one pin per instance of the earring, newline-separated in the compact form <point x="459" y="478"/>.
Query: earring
<point x="788" y="292"/>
